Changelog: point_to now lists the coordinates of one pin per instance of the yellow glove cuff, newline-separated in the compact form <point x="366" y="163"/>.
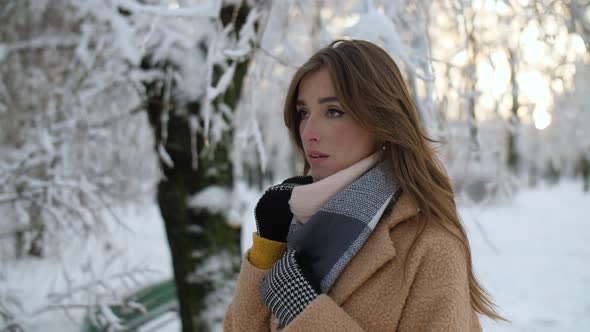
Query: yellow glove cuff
<point x="264" y="252"/>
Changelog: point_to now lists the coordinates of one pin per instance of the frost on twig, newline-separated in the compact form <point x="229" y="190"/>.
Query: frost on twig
<point x="77" y="146"/>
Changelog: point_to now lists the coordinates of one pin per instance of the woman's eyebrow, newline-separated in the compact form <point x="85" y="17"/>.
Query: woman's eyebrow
<point x="300" y="102"/>
<point x="327" y="100"/>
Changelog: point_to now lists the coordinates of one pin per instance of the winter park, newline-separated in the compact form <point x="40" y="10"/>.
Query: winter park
<point x="148" y="148"/>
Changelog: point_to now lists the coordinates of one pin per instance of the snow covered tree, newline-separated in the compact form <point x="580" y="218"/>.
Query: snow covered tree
<point x="67" y="145"/>
<point x="193" y="76"/>
<point x="73" y="138"/>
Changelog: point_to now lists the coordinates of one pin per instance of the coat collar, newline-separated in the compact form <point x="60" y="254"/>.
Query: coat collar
<point x="378" y="250"/>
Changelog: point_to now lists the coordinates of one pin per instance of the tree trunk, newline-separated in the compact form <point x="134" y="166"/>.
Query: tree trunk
<point x="472" y="99"/>
<point x="194" y="236"/>
<point x="513" y="158"/>
<point x="584" y="167"/>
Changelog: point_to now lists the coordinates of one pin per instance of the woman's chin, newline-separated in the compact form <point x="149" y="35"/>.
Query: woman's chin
<point x="316" y="174"/>
<point x="319" y="175"/>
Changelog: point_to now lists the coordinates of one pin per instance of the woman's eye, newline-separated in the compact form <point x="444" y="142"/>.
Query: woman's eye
<point x="335" y="113"/>
<point x="302" y="114"/>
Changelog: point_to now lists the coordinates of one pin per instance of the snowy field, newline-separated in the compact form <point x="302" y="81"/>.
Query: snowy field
<point x="538" y="269"/>
<point x="531" y="253"/>
<point x="138" y="250"/>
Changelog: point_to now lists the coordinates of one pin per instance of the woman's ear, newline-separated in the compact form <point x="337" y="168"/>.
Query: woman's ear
<point x="379" y="146"/>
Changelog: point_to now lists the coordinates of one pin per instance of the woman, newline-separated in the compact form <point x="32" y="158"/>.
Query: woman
<point x="370" y="239"/>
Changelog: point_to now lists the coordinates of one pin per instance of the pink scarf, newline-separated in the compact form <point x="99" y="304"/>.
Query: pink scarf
<point x="308" y="199"/>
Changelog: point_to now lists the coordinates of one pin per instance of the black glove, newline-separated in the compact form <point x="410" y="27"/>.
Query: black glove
<point x="273" y="215"/>
<point x="286" y="289"/>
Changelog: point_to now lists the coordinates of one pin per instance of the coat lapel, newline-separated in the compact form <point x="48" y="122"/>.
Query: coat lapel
<point x="377" y="250"/>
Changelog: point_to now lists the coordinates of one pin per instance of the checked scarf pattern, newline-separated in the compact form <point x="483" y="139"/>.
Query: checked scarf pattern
<point x="286" y="290"/>
<point x="335" y="233"/>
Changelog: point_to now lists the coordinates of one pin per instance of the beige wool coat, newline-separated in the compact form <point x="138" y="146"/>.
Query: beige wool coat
<point x="371" y="293"/>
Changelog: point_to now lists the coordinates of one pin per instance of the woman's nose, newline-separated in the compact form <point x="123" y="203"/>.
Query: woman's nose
<point x="310" y="130"/>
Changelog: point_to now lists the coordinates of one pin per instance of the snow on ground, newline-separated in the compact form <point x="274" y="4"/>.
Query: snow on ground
<point x="535" y="262"/>
<point x="139" y="244"/>
<point x="529" y="252"/>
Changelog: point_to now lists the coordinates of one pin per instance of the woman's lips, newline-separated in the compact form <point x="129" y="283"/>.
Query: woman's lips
<point x="316" y="157"/>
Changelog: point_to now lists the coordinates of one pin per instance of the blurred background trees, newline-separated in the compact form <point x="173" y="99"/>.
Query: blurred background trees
<point x="71" y="127"/>
<point x="106" y="103"/>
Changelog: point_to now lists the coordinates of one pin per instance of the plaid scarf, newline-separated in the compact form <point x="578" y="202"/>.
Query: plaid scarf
<point x="335" y="233"/>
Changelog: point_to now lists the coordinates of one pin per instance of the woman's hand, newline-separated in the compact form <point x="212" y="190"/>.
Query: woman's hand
<point x="273" y="215"/>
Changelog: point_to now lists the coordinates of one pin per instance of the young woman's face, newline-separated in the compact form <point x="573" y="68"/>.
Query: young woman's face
<point x="332" y="140"/>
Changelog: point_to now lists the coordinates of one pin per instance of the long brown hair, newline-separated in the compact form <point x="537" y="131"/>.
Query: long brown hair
<point x="369" y="86"/>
